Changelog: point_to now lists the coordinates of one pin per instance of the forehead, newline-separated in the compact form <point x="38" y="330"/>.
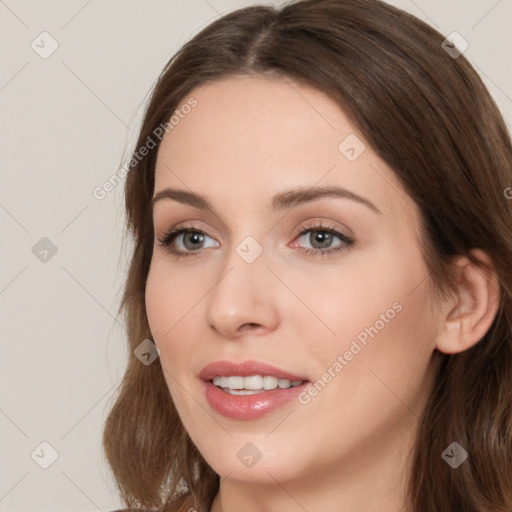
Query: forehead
<point x="253" y="136"/>
<point x="257" y="119"/>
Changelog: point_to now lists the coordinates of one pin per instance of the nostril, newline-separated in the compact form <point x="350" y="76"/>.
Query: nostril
<point x="249" y="326"/>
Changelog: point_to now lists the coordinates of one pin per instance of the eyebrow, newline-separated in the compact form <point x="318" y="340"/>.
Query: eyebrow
<point x="283" y="200"/>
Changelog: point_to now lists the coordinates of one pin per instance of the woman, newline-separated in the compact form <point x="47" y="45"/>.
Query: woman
<point x="319" y="299"/>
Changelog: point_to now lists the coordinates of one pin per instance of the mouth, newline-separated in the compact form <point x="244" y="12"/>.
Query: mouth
<point x="247" y="369"/>
<point x="249" y="390"/>
<point x="252" y="384"/>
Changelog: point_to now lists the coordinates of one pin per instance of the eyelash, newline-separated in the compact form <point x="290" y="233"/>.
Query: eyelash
<point x="169" y="237"/>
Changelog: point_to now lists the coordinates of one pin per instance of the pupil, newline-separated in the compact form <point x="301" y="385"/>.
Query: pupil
<point x="196" y="238"/>
<point x="322" y="237"/>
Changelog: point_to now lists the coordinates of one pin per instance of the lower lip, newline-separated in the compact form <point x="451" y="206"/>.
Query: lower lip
<point x="249" y="407"/>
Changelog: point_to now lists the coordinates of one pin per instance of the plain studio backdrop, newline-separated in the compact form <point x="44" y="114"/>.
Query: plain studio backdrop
<point x="74" y="78"/>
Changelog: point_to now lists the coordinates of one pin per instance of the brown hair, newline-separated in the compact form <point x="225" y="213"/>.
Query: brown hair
<point x="430" y="118"/>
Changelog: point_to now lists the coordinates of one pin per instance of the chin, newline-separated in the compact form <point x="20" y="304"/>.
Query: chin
<point x="258" y="461"/>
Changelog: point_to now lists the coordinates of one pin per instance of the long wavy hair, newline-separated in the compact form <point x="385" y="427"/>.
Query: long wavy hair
<point x="429" y="116"/>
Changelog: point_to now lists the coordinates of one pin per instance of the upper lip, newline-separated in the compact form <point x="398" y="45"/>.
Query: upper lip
<point x="244" y="369"/>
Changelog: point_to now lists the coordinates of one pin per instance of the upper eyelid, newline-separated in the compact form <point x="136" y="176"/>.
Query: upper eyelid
<point x="306" y="208"/>
<point x="316" y="225"/>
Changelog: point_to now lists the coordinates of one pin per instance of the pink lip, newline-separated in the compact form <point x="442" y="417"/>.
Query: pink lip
<point x="248" y="407"/>
<point x="228" y="368"/>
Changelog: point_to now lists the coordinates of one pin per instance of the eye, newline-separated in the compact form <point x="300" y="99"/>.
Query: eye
<point x="321" y="237"/>
<point x="191" y="240"/>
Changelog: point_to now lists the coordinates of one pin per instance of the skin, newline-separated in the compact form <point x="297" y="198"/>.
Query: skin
<point x="347" y="449"/>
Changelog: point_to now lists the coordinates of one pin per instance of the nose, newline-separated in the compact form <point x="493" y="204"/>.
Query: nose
<point x="244" y="299"/>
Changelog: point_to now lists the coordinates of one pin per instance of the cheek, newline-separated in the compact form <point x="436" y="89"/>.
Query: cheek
<point x="176" y="316"/>
<point x="384" y="375"/>
<point x="167" y="304"/>
<point x="382" y="324"/>
<point x="170" y="298"/>
<point x="371" y="288"/>
<point x="385" y="331"/>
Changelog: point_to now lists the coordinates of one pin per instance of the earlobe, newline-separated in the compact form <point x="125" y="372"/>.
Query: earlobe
<point x="472" y="309"/>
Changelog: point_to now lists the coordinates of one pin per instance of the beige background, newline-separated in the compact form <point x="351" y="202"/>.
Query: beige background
<point x="66" y="122"/>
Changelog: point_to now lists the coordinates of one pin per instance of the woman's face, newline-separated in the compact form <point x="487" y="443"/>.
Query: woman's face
<point x="356" y="324"/>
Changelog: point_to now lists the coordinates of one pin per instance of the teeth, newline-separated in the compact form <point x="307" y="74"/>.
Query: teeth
<point x="270" y="382"/>
<point x="284" y="383"/>
<point x="253" y="383"/>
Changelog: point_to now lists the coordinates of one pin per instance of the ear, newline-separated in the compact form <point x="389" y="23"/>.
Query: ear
<point x="469" y="314"/>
